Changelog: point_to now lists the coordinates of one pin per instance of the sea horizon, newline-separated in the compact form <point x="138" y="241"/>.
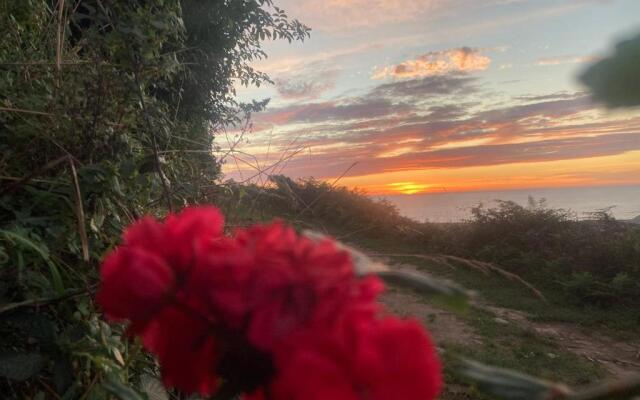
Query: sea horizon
<point x="623" y="201"/>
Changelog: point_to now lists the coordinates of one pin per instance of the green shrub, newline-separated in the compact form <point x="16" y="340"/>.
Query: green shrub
<point x="108" y="111"/>
<point x="594" y="261"/>
<point x="315" y="204"/>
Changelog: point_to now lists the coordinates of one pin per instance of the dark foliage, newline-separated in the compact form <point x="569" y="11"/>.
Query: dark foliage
<point x="595" y="260"/>
<point x="614" y="79"/>
<point x="108" y="111"/>
<point x="312" y="203"/>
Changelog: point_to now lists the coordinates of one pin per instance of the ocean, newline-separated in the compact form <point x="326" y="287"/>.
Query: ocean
<point x="456" y="206"/>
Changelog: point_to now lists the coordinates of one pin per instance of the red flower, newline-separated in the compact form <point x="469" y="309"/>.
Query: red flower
<point x="134" y="284"/>
<point x="358" y="358"/>
<point x="294" y="277"/>
<point x="139" y="276"/>
<point x="269" y="281"/>
<point x="218" y="281"/>
<point x="143" y="281"/>
<point x="229" y="309"/>
<point x="187" y="348"/>
<point x="177" y="239"/>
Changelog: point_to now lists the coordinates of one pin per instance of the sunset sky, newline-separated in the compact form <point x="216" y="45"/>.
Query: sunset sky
<point x="432" y="95"/>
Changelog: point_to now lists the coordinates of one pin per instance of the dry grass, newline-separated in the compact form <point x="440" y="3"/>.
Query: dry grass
<point x="481" y="266"/>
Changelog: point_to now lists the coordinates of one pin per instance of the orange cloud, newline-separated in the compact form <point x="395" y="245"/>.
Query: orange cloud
<point x="551" y="61"/>
<point x="462" y="59"/>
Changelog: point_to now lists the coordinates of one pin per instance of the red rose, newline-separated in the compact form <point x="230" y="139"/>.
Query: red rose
<point x="291" y="278"/>
<point x="143" y="281"/>
<point x="179" y="236"/>
<point x="145" y="270"/>
<point x="187" y="348"/>
<point x="398" y="360"/>
<point x="209" y="305"/>
<point x="358" y="358"/>
<point x="134" y="284"/>
<point x="218" y="286"/>
<point x="267" y="281"/>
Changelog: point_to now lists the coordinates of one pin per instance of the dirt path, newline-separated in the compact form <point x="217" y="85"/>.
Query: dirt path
<point x="445" y="326"/>
<point x="618" y="357"/>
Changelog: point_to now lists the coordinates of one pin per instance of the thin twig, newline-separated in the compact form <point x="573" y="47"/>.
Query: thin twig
<point x="91" y="385"/>
<point x="481" y="266"/>
<point x="49" y="389"/>
<point x="82" y="230"/>
<point x="49" y="165"/>
<point x="230" y="152"/>
<point x="24" y="111"/>
<point x="60" y="36"/>
<point x="46" y="300"/>
<point x="331" y="186"/>
<point x="274" y="165"/>
<point x="156" y="157"/>
<point x="31" y="181"/>
<point x="48" y="63"/>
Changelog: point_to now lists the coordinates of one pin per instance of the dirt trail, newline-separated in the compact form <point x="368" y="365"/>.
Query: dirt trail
<point x="445" y="326"/>
<point x="618" y="357"/>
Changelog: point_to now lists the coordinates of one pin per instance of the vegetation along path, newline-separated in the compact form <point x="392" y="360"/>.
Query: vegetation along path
<point x="503" y="336"/>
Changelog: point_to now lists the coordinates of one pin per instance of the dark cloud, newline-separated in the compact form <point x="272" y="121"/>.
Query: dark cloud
<point x="550" y="109"/>
<point x="448" y="111"/>
<point x="382" y="101"/>
<point x="367" y="120"/>
<point x="440" y="85"/>
<point x="544" y="150"/>
<point x="359" y="109"/>
<point x="551" y="96"/>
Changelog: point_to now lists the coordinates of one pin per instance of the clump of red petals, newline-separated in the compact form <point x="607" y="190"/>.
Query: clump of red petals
<point x="263" y="311"/>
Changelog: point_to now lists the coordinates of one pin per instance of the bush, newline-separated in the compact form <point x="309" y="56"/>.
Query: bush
<point x="592" y="262"/>
<point x="107" y="111"/>
<point x="595" y="261"/>
<point x="316" y="204"/>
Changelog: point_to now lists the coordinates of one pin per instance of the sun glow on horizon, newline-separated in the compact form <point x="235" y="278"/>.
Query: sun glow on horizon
<point x="593" y="171"/>
<point x="409" y="187"/>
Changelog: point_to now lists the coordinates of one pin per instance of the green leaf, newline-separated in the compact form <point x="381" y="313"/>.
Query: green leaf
<point x="507" y="384"/>
<point x="20" y="366"/>
<point x="120" y="390"/>
<point x="615" y="80"/>
<point x="43" y="252"/>
<point x="426" y="284"/>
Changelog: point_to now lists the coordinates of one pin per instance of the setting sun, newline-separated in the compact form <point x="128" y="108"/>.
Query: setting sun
<point x="408" y="187"/>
